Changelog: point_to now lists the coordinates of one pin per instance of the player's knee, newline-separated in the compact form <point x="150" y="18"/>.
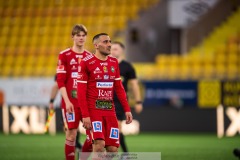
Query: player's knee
<point x="98" y="145"/>
<point x="112" y="149"/>
<point x="71" y="134"/>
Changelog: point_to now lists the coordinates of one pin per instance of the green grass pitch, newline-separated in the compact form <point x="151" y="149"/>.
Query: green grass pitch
<point x="173" y="146"/>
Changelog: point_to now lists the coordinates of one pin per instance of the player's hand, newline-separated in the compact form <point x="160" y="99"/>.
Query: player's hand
<point x="138" y="108"/>
<point x="87" y="123"/>
<point x="69" y="107"/>
<point x="129" y="117"/>
<point x="50" y="107"/>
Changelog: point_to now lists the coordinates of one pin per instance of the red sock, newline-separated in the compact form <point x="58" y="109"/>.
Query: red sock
<point x="86" y="149"/>
<point x="69" y="150"/>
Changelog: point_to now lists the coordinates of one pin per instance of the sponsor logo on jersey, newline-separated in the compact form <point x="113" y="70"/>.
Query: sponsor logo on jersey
<point x="104" y="84"/>
<point x="70" y="117"/>
<point x="102" y="94"/>
<point x="97" y="126"/>
<point x="106" y="77"/>
<point x="73" y="62"/>
<point x="74" y="74"/>
<point x="105" y="70"/>
<point x="112" y="69"/>
<point x="97" y="70"/>
<point x="114" y="134"/>
<point x="74" y="67"/>
<point x="98" y="77"/>
<point x="104" y="64"/>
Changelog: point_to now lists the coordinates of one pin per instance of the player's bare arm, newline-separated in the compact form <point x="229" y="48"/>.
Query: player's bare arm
<point x="53" y="95"/>
<point x="137" y="96"/>
<point x="69" y="105"/>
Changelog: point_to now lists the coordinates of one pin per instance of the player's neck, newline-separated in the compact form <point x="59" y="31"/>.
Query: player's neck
<point x="101" y="56"/>
<point x="120" y="59"/>
<point x="78" y="49"/>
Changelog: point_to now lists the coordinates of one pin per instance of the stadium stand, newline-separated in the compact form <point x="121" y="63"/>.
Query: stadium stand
<point x="217" y="57"/>
<point x="33" y="32"/>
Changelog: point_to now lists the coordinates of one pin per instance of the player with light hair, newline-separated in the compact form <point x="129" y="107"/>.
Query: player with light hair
<point x="67" y="68"/>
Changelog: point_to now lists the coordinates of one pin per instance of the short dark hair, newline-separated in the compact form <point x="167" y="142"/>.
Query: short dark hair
<point x="120" y="44"/>
<point x="78" y="28"/>
<point x="98" y="35"/>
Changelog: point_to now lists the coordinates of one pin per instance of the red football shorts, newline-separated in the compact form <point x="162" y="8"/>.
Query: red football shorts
<point x="106" y="128"/>
<point x="71" y="120"/>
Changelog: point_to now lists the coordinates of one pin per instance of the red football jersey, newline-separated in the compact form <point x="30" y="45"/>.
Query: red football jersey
<point x="97" y="80"/>
<point x="68" y="62"/>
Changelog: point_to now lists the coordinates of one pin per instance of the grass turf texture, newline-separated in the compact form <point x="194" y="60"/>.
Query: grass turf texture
<point x="173" y="146"/>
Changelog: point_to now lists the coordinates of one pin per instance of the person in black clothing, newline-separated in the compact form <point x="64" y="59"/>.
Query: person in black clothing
<point x="128" y="75"/>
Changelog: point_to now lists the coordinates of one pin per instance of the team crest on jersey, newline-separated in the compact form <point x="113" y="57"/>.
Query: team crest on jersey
<point x="97" y="126"/>
<point x="70" y="117"/>
<point x="114" y="134"/>
<point x="105" y="69"/>
<point x="112" y="69"/>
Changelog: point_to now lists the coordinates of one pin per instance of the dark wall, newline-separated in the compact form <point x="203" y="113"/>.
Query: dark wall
<point x="163" y="119"/>
<point x="148" y="35"/>
<point x="195" y="33"/>
<point x="167" y="119"/>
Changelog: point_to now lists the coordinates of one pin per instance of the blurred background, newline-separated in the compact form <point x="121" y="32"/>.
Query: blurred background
<point x="186" y="54"/>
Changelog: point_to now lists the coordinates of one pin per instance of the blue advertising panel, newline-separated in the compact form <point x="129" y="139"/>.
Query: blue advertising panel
<point x="177" y="94"/>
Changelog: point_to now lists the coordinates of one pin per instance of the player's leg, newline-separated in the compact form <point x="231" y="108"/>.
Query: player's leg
<point x="121" y="116"/>
<point x="87" y="146"/>
<point x="70" y="144"/>
<point x="71" y="122"/>
<point x="112" y="134"/>
<point x="78" y="144"/>
<point x="97" y="133"/>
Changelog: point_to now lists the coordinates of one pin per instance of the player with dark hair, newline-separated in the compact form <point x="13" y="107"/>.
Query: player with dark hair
<point x="68" y="61"/>
<point x="128" y="75"/>
<point x="98" y="78"/>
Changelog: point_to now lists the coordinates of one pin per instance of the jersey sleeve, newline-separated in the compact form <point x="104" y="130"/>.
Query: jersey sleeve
<point x="120" y="92"/>
<point x="61" y="71"/>
<point x="82" y="80"/>
<point x="131" y="72"/>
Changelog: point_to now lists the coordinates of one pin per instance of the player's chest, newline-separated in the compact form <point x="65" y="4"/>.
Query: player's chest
<point x="73" y="62"/>
<point x="103" y="71"/>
